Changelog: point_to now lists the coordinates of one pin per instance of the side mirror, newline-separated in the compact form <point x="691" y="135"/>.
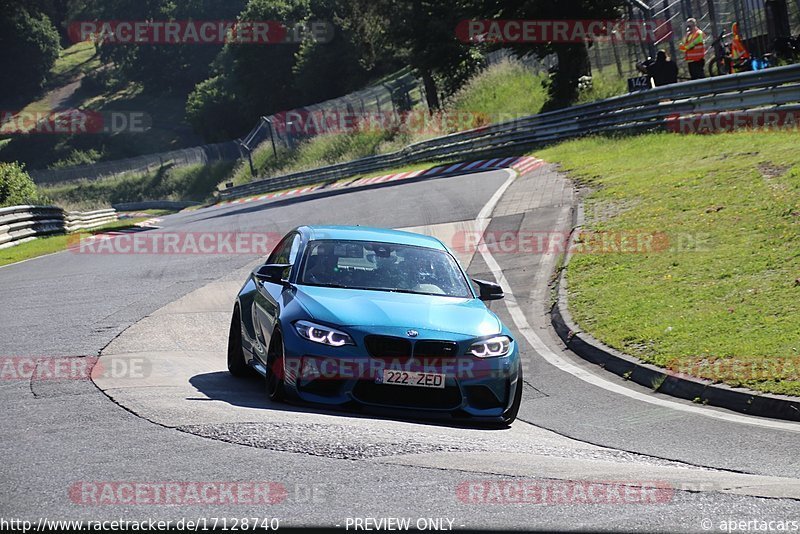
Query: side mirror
<point x="489" y="290"/>
<point x="272" y="273"/>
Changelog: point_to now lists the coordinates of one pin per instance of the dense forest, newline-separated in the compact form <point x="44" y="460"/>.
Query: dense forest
<point x="226" y="85"/>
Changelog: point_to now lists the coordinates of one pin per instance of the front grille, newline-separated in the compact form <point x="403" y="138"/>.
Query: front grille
<point x="447" y="398"/>
<point x="435" y="349"/>
<point x="388" y="347"/>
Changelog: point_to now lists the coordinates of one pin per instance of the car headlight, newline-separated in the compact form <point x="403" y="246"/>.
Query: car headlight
<point x="490" y="348"/>
<point x="322" y="334"/>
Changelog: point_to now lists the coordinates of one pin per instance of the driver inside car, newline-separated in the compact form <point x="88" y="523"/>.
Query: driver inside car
<point x="323" y="266"/>
<point x="417" y="270"/>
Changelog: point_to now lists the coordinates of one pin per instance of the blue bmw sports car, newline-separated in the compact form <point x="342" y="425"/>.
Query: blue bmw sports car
<point x="375" y="319"/>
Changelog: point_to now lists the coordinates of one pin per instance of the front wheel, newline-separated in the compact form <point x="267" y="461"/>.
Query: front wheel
<point x="276" y="390"/>
<point x="236" y="364"/>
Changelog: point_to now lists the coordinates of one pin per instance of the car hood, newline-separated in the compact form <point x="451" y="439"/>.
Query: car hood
<point x="350" y="307"/>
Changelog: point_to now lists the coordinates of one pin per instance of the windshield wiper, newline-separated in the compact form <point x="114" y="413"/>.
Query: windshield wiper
<point x="385" y="289"/>
<point x="411" y="292"/>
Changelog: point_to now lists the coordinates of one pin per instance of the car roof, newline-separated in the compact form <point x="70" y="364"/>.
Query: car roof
<point x="365" y="233"/>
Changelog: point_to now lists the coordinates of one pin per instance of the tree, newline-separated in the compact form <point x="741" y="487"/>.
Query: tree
<point x="573" y="58"/>
<point x="262" y="73"/>
<point x="163" y="68"/>
<point x="332" y="68"/>
<point x="421" y="33"/>
<point x="215" y="111"/>
<point x="29" y="47"/>
<point x="58" y="11"/>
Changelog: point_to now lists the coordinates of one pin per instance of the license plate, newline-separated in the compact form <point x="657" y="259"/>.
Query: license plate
<point x="411" y="378"/>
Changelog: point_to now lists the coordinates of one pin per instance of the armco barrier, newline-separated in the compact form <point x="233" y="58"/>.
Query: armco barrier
<point x="19" y="224"/>
<point x="775" y="89"/>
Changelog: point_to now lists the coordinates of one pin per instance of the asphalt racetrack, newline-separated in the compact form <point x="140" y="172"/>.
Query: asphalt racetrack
<point x="583" y="440"/>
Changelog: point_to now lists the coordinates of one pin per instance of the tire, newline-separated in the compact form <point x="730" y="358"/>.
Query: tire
<point x="510" y="415"/>
<point x="236" y="363"/>
<point x="714" y="68"/>
<point x="276" y="389"/>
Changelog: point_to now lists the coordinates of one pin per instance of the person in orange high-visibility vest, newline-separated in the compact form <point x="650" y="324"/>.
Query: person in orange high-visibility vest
<point x="694" y="48"/>
<point x="739" y="53"/>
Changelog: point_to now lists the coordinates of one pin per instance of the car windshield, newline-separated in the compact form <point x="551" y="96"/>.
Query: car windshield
<point x="383" y="267"/>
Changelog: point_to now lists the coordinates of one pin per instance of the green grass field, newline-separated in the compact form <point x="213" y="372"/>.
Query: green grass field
<point x="722" y="300"/>
<point x="506" y="90"/>
<point x="78" y="59"/>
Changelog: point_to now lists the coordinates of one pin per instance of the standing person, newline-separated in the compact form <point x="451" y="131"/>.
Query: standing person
<point x="740" y="57"/>
<point x="663" y="70"/>
<point x="693" y="45"/>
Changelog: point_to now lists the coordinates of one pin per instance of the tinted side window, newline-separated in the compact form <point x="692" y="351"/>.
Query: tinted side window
<point x="286" y="251"/>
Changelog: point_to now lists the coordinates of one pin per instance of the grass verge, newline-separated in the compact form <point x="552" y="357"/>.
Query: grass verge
<point x="56" y="243"/>
<point x="721" y="300"/>
<point x="502" y="92"/>
<point x="194" y="182"/>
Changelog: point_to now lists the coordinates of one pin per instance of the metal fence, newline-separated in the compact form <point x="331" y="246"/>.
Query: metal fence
<point x="775" y="89"/>
<point x="760" y="23"/>
<point x="286" y="129"/>
<point x="19" y="224"/>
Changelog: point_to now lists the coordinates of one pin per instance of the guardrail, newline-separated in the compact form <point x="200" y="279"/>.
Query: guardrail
<point x="771" y="89"/>
<point x="19" y="224"/>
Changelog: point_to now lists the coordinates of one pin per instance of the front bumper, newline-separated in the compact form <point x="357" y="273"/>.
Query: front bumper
<point x="474" y="388"/>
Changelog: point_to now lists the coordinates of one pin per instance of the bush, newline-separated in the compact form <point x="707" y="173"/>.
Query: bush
<point x="17" y="187"/>
<point x="214" y="111"/>
<point x="78" y="157"/>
